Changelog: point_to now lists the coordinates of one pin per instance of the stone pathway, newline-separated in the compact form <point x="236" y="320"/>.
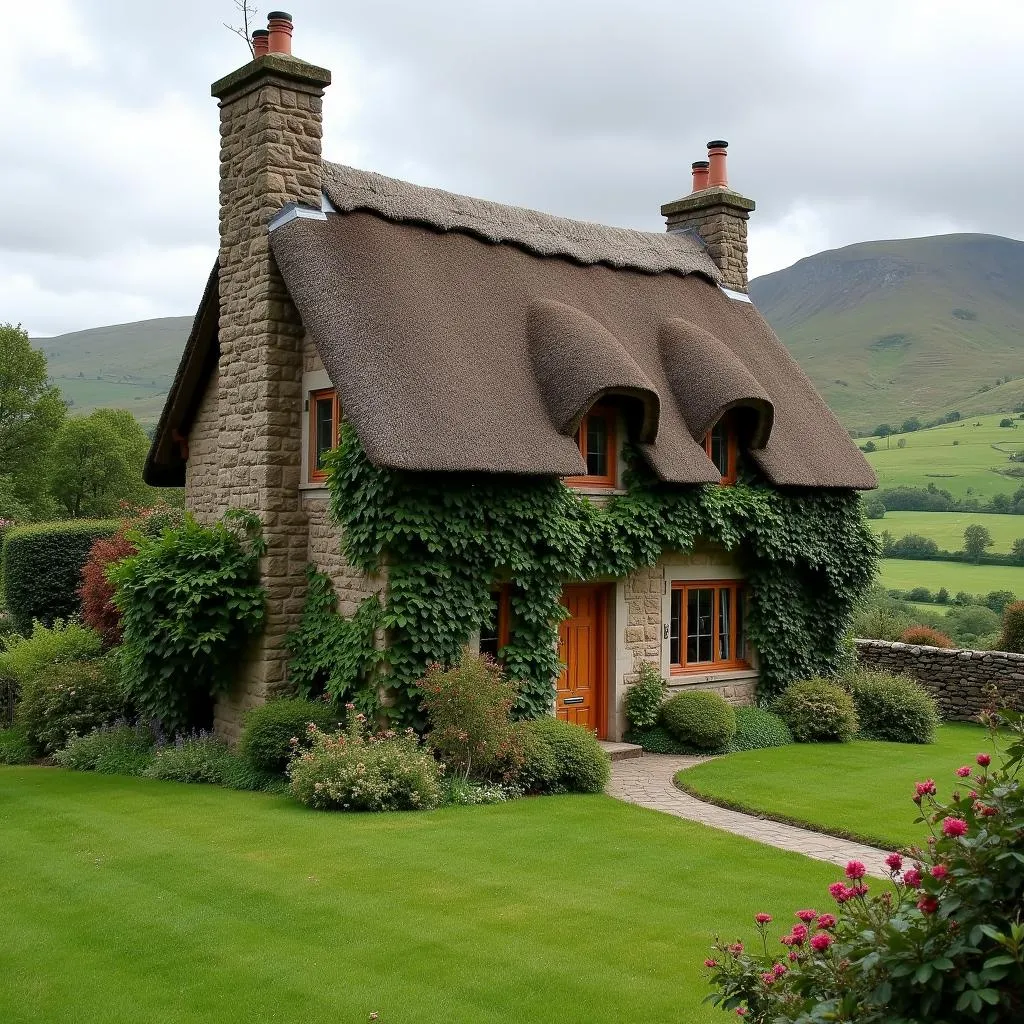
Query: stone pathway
<point x="647" y="781"/>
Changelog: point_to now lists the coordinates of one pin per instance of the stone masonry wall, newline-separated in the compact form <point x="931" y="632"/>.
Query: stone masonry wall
<point x="202" y="496"/>
<point x="957" y="679"/>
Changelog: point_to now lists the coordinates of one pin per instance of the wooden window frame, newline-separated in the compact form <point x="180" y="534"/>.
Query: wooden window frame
<point x="315" y="398"/>
<point x="737" y="590"/>
<point x="609" y="414"/>
<point x="731" y="449"/>
<point x="504" y="618"/>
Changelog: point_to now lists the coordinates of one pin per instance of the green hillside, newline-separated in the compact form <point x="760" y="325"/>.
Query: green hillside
<point x="906" y="573"/>
<point x="126" y="366"/>
<point x="912" y="327"/>
<point x="947" y="528"/>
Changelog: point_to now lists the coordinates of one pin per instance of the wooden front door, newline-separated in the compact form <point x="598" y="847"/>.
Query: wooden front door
<point x="582" y="649"/>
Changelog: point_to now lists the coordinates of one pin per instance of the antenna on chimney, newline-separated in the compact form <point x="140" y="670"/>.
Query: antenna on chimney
<point x="247" y="11"/>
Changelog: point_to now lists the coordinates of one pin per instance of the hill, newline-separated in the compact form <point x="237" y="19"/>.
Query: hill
<point x="126" y="366"/>
<point x="911" y="327"/>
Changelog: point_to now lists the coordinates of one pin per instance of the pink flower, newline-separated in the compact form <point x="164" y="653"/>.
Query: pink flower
<point x="736" y="948"/>
<point x="826" y="921"/>
<point x="799" y="932"/>
<point x="964" y="771"/>
<point x="786" y="940"/>
<point x="821" y="941"/>
<point x="912" y="877"/>
<point x="741" y="1011"/>
<point x="939" y="871"/>
<point x="894" y="862"/>
<point x="840" y="893"/>
<point x="926" y="788"/>
<point x="807" y="916"/>
<point x="710" y="963"/>
<point x="985" y="810"/>
<point x="793" y="956"/>
<point x="763" y="918"/>
<point x="779" y="970"/>
<point x="984" y="760"/>
<point x="859" y="890"/>
<point x="954" y="827"/>
<point x="768" y="978"/>
<point x="856" y="869"/>
<point x="927" y="904"/>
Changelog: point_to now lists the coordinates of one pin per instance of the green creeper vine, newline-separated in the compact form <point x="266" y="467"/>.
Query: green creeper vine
<point x="808" y="556"/>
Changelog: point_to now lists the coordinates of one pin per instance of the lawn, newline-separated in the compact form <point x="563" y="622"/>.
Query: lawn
<point x="907" y="573"/>
<point x="127" y="900"/>
<point x="862" y="788"/>
<point x="947" y="528"/>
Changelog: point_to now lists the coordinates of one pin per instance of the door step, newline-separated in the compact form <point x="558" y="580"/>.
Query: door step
<point x="620" y="751"/>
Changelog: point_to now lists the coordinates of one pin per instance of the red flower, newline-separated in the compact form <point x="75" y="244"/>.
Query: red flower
<point x="794" y="956"/>
<point x="927" y="904"/>
<point x="894" y="862"/>
<point x="939" y="871"/>
<point x="964" y="771"/>
<point x="710" y="963"/>
<point x="954" y="827"/>
<point x="821" y="942"/>
<point x="779" y="970"/>
<point x="826" y="921"/>
<point x="985" y="810"/>
<point x="859" y="890"/>
<point x="912" y="877"/>
<point x="741" y="1011"/>
<point x="763" y="918"/>
<point x="799" y="934"/>
<point x="736" y="948"/>
<point x="926" y="788"/>
<point x="984" y="760"/>
<point x="768" y="977"/>
<point x="856" y="869"/>
<point x="786" y="940"/>
<point x="807" y="916"/>
<point x="840" y="893"/>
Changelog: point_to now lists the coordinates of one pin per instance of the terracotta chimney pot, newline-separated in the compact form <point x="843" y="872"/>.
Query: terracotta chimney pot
<point x="260" y="42"/>
<point x="700" y="175"/>
<point x="279" y="25"/>
<point x="716" y="158"/>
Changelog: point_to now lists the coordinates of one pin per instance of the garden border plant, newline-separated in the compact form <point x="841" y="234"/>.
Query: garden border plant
<point x="447" y="539"/>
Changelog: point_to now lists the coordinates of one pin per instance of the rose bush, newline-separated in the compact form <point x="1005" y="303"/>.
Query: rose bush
<point x="943" y="942"/>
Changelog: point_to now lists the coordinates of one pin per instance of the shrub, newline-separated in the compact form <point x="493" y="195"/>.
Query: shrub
<point x="757" y="728"/>
<point x="97" y="592"/>
<point x="24" y="657"/>
<point x="881" y="622"/>
<point x="189" y="599"/>
<point x="199" y="757"/>
<point x="967" y="623"/>
<point x="913" y="545"/>
<point x="818" y="711"/>
<point x="645" y="697"/>
<point x="71" y="698"/>
<point x="893" y="707"/>
<point x="942" y="941"/>
<point x="700" y="719"/>
<point x="1012" y="636"/>
<point x="240" y="774"/>
<point x="110" y="750"/>
<point x="463" y="793"/>
<point x="926" y="637"/>
<point x="15" y="747"/>
<point x="42" y="569"/>
<point x="270" y="729"/>
<point x="532" y="761"/>
<point x="468" y="708"/>
<point x="657" y="740"/>
<point x="352" y="771"/>
<point x="581" y="766"/>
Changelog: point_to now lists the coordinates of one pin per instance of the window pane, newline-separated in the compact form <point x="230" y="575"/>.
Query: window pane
<point x="699" y="624"/>
<point x="324" y="429"/>
<point x="724" y="610"/>
<point x="597" y="446"/>
<point x="720" y="449"/>
<point x="675" y="628"/>
<point x="490" y="629"/>
<point x="741" y="634"/>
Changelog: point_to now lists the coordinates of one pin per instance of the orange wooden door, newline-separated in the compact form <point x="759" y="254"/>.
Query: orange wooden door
<point x="582" y="651"/>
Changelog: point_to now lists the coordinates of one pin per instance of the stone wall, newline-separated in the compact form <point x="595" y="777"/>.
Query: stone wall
<point x="957" y="679"/>
<point x="202" y="495"/>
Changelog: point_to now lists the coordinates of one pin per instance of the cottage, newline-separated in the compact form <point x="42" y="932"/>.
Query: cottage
<point x="464" y="337"/>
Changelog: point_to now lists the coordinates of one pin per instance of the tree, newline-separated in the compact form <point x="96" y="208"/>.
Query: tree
<point x="883" y="430"/>
<point x="1018" y="550"/>
<point x="97" y="464"/>
<point x="31" y="412"/>
<point x="976" y="539"/>
<point x="874" y="508"/>
<point x="901" y="443"/>
<point x="869" y="447"/>
<point x="911" y="425"/>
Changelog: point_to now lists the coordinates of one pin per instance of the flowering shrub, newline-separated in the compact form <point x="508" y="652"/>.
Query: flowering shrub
<point x="198" y="757"/>
<point x="892" y="707"/>
<point x="645" y="697"/>
<point x="944" y="942"/>
<point x="926" y="637"/>
<point x="111" y="750"/>
<point x="97" y="592"/>
<point x="358" y="771"/>
<point x="700" y="719"/>
<point x="460" y="792"/>
<point x="818" y="711"/>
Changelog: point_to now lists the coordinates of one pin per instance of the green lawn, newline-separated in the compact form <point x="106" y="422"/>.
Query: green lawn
<point x="907" y="573"/>
<point x="862" y="788"/>
<point x="967" y="469"/>
<point x="947" y="528"/>
<point x="126" y="900"/>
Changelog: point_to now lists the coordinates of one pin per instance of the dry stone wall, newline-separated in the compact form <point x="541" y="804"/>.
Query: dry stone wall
<point x="202" y="497"/>
<point x="957" y="679"/>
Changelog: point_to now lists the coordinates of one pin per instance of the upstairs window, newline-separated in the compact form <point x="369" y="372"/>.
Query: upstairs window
<point x="324" y="417"/>
<point x="707" y="629"/>
<point x="598" y="442"/>
<point x="495" y="630"/>
<point x="722" y="446"/>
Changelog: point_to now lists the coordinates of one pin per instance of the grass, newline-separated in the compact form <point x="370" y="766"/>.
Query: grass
<point x="947" y="528"/>
<point x="967" y="469"/>
<point x="860" y="789"/>
<point x="907" y="573"/>
<point x="127" y="900"/>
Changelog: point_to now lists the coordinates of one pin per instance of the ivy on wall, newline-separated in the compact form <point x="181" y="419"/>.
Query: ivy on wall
<point x="446" y="539"/>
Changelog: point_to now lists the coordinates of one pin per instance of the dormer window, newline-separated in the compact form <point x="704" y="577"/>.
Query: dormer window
<point x="324" y="417"/>
<point x="597" y="438"/>
<point x="722" y="446"/>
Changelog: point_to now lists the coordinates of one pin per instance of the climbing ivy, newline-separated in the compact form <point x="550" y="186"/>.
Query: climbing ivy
<point x="807" y="554"/>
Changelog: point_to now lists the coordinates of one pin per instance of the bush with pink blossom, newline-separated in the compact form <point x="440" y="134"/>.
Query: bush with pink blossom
<point x="942" y="940"/>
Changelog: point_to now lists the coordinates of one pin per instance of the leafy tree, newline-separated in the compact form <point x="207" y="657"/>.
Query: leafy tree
<point x="31" y="412"/>
<point x="869" y="447"/>
<point x="911" y="425"/>
<point x="1018" y="550"/>
<point x="913" y="545"/>
<point x="942" y="596"/>
<point x="884" y="430"/>
<point x="901" y="443"/>
<point x="874" y="508"/>
<point x="97" y="464"/>
<point x="1006" y="422"/>
<point x="976" y="539"/>
<point x="997" y="600"/>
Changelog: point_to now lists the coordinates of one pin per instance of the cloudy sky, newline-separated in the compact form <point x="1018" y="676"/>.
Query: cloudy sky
<point x="846" y="121"/>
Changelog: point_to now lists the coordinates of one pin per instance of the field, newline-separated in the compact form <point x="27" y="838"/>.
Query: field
<point x="947" y="528"/>
<point x="906" y="573"/>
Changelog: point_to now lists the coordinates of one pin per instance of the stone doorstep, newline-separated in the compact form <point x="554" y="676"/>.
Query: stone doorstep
<point x="620" y="751"/>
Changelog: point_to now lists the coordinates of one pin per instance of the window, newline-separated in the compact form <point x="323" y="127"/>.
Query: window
<point x="494" y="632"/>
<point x="324" y="414"/>
<point x="597" y="440"/>
<point x="722" y="447"/>
<point x="706" y="627"/>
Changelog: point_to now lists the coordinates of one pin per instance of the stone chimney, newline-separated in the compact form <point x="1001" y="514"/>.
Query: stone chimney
<point x="717" y="213"/>
<point x="270" y="131"/>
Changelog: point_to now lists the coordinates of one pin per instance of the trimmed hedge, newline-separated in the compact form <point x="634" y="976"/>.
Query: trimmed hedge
<point x="757" y="729"/>
<point x="269" y="729"/>
<point x="818" y="711"/>
<point x="581" y="766"/>
<point x="42" y="568"/>
<point x="699" y="718"/>
<point x="893" y="708"/>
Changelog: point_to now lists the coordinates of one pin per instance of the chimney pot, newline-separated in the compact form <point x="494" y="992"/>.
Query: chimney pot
<point x="279" y="25"/>
<point x="260" y="42"/>
<point x="700" y="175"/>
<point x="716" y="159"/>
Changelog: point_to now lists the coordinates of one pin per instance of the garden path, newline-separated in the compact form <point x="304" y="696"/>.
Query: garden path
<point x="648" y="782"/>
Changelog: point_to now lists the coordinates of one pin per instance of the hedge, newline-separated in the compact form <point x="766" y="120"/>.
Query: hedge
<point x="42" y="568"/>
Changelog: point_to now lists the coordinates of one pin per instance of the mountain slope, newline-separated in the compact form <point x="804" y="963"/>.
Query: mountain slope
<point x="909" y="327"/>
